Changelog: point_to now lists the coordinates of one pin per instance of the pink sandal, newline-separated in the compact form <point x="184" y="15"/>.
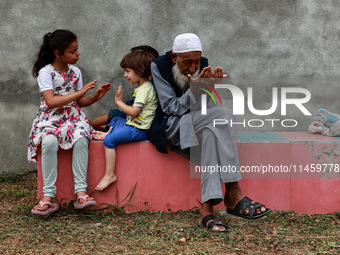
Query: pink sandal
<point x="52" y="208"/>
<point x="78" y="205"/>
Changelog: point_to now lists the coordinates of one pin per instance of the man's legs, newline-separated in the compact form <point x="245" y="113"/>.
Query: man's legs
<point x="219" y="147"/>
<point x="218" y="157"/>
<point x="211" y="181"/>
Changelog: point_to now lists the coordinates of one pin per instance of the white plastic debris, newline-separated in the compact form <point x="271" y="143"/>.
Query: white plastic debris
<point x="325" y="123"/>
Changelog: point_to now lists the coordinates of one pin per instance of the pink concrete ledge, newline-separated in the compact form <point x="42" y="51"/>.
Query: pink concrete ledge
<point x="163" y="181"/>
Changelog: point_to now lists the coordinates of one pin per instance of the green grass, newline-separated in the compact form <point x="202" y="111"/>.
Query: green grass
<point x="8" y="177"/>
<point x="96" y="232"/>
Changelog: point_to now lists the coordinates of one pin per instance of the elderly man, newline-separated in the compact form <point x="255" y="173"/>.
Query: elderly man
<point x="187" y="128"/>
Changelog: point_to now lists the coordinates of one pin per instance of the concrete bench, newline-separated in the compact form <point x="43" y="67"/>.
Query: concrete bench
<point x="294" y="174"/>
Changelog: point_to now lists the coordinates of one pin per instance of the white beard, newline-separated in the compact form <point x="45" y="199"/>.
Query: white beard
<point x="182" y="79"/>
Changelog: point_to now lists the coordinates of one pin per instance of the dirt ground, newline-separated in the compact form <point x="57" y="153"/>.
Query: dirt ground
<point x="96" y="232"/>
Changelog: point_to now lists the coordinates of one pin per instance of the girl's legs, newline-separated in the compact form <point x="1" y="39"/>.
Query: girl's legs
<point x="79" y="165"/>
<point x="109" y="177"/>
<point x="49" y="162"/>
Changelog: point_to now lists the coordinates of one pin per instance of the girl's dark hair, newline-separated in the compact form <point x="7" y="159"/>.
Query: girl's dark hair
<point x="139" y="61"/>
<point x="58" y="40"/>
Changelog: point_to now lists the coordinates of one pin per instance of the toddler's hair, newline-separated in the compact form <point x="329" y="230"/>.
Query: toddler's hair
<point x="58" y="40"/>
<point x="139" y="61"/>
<point x="147" y="48"/>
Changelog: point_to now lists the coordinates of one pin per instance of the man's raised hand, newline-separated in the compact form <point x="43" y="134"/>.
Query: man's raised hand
<point x="218" y="73"/>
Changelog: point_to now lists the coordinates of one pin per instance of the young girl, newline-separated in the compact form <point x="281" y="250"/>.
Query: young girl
<point x="60" y="122"/>
<point x="135" y="126"/>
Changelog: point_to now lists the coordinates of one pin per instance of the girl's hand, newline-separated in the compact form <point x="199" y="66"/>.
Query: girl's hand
<point x="98" y="94"/>
<point x="87" y="87"/>
<point x="53" y="101"/>
<point x="101" y="91"/>
<point x="119" y="94"/>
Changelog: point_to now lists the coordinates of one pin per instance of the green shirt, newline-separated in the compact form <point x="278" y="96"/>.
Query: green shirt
<point x="145" y="96"/>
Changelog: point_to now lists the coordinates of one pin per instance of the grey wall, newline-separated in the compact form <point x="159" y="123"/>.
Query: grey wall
<point x="258" y="43"/>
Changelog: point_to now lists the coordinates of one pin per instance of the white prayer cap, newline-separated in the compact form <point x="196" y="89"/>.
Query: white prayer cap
<point x="186" y="43"/>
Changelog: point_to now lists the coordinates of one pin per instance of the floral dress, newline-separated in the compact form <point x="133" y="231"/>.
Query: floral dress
<point x="68" y="123"/>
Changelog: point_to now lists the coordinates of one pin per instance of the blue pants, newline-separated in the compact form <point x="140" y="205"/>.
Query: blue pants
<point x="122" y="133"/>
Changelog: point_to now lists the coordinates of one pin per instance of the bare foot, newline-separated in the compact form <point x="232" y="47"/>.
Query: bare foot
<point x="106" y="181"/>
<point x="99" y="135"/>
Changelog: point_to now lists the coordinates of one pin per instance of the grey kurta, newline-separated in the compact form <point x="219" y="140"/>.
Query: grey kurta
<point x="187" y="128"/>
<point x="177" y="109"/>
